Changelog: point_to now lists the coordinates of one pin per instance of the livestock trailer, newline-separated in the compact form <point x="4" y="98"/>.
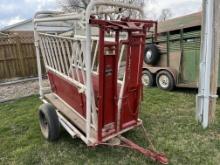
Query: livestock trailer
<point x="94" y="74"/>
<point x="173" y="59"/>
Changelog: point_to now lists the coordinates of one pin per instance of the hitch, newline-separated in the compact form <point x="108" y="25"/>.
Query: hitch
<point x="154" y="155"/>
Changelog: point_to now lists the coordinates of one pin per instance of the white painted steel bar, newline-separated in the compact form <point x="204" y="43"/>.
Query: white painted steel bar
<point x="72" y="59"/>
<point x="80" y="37"/>
<point x="71" y="129"/>
<point x="36" y="37"/>
<point x="59" y="18"/>
<point x="64" y="56"/>
<point x="61" y="59"/>
<point x="81" y="61"/>
<point x="75" y="52"/>
<point x="94" y="115"/>
<point x="72" y="81"/>
<point x="51" y="53"/>
<point x="88" y="74"/>
<point x="44" y="50"/>
<point x="67" y="49"/>
<point x="54" y="50"/>
<point x="121" y="56"/>
<point x="61" y="37"/>
<point x="75" y="112"/>
<point x="78" y="53"/>
<point x="66" y="44"/>
<point x="40" y="13"/>
<point x="70" y="107"/>
<point x="95" y="54"/>
<point x="46" y="60"/>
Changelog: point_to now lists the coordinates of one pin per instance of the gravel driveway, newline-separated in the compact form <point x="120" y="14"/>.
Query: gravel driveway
<point x="19" y="90"/>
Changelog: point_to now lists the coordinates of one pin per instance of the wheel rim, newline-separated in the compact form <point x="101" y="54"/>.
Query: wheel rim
<point x="145" y="80"/>
<point x="44" y="125"/>
<point x="164" y="81"/>
<point x="149" y="54"/>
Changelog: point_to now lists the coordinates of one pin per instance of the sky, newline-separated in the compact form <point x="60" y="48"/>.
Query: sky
<point x="14" y="11"/>
<point x="178" y="7"/>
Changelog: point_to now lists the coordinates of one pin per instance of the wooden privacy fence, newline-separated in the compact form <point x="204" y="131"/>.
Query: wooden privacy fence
<point x="17" y="57"/>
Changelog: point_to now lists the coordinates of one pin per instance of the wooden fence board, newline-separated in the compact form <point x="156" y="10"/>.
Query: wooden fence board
<point x="17" y="57"/>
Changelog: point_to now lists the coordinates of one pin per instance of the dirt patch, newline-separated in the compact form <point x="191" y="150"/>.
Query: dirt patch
<point x="20" y="89"/>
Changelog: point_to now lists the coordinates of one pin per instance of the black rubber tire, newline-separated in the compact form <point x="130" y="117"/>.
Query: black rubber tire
<point x="151" y="79"/>
<point x="155" y="54"/>
<point x="49" y="122"/>
<point x="165" y="85"/>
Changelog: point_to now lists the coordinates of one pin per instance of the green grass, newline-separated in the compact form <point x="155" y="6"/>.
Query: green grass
<point x="169" y="118"/>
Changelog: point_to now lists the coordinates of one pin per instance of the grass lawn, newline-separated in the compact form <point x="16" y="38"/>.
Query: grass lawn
<point x="169" y="118"/>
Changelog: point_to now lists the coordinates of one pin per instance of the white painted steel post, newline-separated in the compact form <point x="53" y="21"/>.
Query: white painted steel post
<point x="36" y="37"/>
<point x="205" y="103"/>
<point x="88" y="72"/>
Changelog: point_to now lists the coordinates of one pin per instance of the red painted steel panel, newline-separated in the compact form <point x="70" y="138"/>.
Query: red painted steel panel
<point x="108" y="57"/>
<point x="132" y="91"/>
<point x="68" y="93"/>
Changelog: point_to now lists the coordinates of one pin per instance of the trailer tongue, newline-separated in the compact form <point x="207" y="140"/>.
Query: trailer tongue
<point x="91" y="99"/>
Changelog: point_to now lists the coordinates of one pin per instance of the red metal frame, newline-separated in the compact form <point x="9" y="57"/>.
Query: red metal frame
<point x="108" y="87"/>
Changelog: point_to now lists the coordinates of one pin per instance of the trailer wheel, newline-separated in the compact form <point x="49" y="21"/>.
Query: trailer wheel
<point x="165" y="80"/>
<point x="151" y="54"/>
<point x="147" y="78"/>
<point x="49" y="122"/>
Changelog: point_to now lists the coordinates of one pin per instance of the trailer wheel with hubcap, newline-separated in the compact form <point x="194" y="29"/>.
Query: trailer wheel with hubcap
<point x="165" y="80"/>
<point x="49" y="122"/>
<point x="147" y="78"/>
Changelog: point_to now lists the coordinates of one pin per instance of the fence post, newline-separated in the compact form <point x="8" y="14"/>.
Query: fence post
<point x="206" y="99"/>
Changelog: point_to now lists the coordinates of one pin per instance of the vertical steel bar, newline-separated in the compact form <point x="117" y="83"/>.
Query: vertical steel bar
<point x="45" y="57"/>
<point x="75" y="60"/>
<point x="46" y="45"/>
<point x="45" y="50"/>
<point x="36" y="36"/>
<point x="81" y="60"/>
<point x="69" y="56"/>
<point x="64" y="56"/>
<point x="56" y="42"/>
<point x="95" y="54"/>
<point x="54" y="49"/>
<point x="121" y="55"/>
<point x="52" y="54"/>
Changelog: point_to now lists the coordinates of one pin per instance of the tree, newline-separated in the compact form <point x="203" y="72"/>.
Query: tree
<point x="73" y="5"/>
<point x="165" y="14"/>
<point x="80" y="5"/>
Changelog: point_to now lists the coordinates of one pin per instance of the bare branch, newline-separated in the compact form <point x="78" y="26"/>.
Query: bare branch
<point x="77" y="5"/>
<point x="165" y="14"/>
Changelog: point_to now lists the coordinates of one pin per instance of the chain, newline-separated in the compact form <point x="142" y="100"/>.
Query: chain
<point x="146" y="136"/>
